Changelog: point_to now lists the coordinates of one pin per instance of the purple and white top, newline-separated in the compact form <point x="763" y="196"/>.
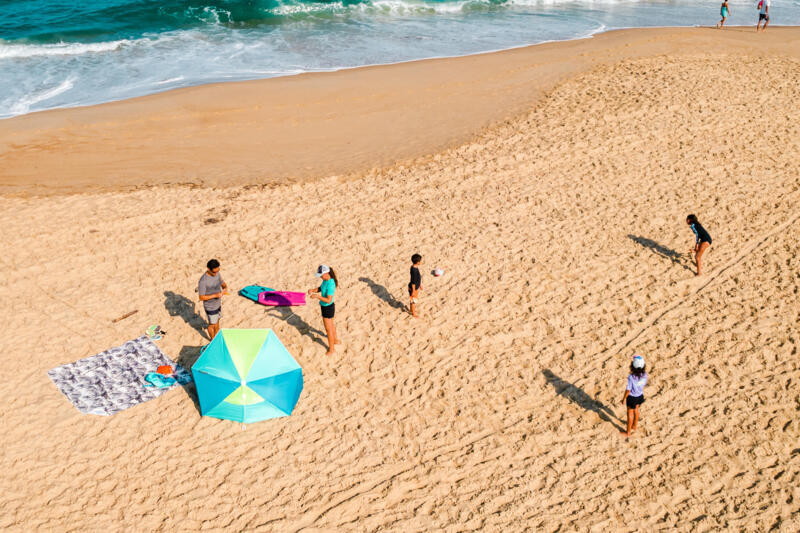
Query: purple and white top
<point x="636" y="385"/>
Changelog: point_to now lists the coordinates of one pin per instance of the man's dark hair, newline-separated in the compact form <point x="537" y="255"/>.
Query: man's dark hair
<point x="691" y="219"/>
<point x="212" y="264"/>
<point x="416" y="258"/>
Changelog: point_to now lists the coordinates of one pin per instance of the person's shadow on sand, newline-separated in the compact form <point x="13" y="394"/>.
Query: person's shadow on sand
<point x="659" y="249"/>
<point x="179" y="305"/>
<point x="287" y="315"/>
<point x="383" y="293"/>
<point x="577" y="396"/>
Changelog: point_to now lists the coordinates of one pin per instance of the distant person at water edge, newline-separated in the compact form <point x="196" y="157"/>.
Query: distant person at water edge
<point x="211" y="289"/>
<point x="634" y="393"/>
<point x="702" y="240"/>
<point x="415" y="285"/>
<point x="325" y="296"/>
<point x="724" y="11"/>
<point x="763" y="14"/>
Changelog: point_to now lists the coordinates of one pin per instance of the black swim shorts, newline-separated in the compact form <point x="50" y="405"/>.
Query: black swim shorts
<point x="328" y="310"/>
<point x="763" y="16"/>
<point x="633" y="401"/>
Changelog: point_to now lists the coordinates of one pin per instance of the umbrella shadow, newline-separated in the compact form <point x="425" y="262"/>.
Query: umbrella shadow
<point x="179" y="305"/>
<point x="186" y="358"/>
<point x="659" y="249"/>
<point x="383" y="293"/>
<point x="577" y="396"/>
<point x="287" y="315"/>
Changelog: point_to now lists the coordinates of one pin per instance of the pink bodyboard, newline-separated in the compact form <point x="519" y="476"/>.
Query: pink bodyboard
<point x="281" y="298"/>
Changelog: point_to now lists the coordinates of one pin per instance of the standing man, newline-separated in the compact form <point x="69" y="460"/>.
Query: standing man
<point x="763" y="14"/>
<point x="211" y="288"/>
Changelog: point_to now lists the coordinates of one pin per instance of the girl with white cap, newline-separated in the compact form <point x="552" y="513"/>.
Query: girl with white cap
<point x="634" y="392"/>
<point x="325" y="296"/>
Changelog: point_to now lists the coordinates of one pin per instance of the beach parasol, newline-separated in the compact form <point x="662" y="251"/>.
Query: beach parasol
<point x="247" y="375"/>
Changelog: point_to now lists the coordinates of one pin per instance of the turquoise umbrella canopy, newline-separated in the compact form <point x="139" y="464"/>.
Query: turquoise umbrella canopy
<point x="247" y="375"/>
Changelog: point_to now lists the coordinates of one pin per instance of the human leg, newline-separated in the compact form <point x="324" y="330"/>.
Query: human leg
<point x="213" y="323"/>
<point x="630" y="423"/>
<point x="698" y="256"/>
<point x="331" y="333"/>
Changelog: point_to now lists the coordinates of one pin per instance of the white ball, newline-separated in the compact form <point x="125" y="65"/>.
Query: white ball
<point x="438" y="272"/>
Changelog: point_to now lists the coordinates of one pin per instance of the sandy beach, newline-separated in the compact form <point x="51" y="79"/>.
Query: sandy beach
<point x="551" y="183"/>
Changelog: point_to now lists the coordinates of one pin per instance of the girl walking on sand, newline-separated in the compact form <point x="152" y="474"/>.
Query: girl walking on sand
<point x="724" y="11"/>
<point x="634" y="393"/>
<point x="702" y="240"/>
<point x="324" y="293"/>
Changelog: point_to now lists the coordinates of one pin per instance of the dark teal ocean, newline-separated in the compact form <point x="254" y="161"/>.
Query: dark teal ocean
<point x="58" y="53"/>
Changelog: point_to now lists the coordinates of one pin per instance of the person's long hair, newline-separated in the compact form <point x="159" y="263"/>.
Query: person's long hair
<point x="638" y="372"/>
<point x="692" y="219"/>
<point x="333" y="275"/>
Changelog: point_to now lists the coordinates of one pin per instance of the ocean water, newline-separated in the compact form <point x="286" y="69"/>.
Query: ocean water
<point x="64" y="53"/>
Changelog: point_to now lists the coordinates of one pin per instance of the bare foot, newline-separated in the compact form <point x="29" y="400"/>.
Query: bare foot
<point x="330" y="352"/>
<point x="415" y="316"/>
<point x="625" y="433"/>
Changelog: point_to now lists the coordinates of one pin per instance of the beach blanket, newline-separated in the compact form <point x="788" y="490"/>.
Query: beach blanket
<point x="114" y="380"/>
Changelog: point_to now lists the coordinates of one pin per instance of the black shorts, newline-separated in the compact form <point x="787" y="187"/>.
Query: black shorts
<point x="763" y="16"/>
<point x="328" y="310"/>
<point x="634" y="401"/>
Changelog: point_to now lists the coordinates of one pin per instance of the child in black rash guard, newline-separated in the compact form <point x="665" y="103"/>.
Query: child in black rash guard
<point x="415" y="285"/>
<point x="702" y="240"/>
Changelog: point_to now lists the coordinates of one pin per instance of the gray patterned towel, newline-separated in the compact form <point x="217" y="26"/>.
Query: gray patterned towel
<point x="112" y="381"/>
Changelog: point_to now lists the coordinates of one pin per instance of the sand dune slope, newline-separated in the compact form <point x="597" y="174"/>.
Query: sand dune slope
<point x="562" y="236"/>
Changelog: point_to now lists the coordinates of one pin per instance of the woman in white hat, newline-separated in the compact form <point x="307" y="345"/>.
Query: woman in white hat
<point x="324" y="293"/>
<point x="634" y="392"/>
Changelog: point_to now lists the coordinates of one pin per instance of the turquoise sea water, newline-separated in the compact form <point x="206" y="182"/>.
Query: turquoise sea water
<point x="59" y="53"/>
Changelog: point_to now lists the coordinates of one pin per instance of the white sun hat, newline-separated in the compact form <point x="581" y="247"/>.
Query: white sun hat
<point x="638" y="361"/>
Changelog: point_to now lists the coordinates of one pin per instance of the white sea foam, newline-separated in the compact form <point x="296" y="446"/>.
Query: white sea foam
<point x="171" y="80"/>
<point x="12" y="51"/>
<point x="24" y="105"/>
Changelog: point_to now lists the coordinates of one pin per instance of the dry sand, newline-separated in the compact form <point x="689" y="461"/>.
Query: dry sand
<point x="562" y="236"/>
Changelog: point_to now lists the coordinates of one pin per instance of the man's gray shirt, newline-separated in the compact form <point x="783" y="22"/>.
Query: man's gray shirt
<point x="210" y="285"/>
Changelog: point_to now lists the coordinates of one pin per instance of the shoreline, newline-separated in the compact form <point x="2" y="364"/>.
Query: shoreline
<point x="319" y="124"/>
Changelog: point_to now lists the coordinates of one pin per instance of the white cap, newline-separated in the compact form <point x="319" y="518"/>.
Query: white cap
<point x="638" y="361"/>
<point x="322" y="269"/>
